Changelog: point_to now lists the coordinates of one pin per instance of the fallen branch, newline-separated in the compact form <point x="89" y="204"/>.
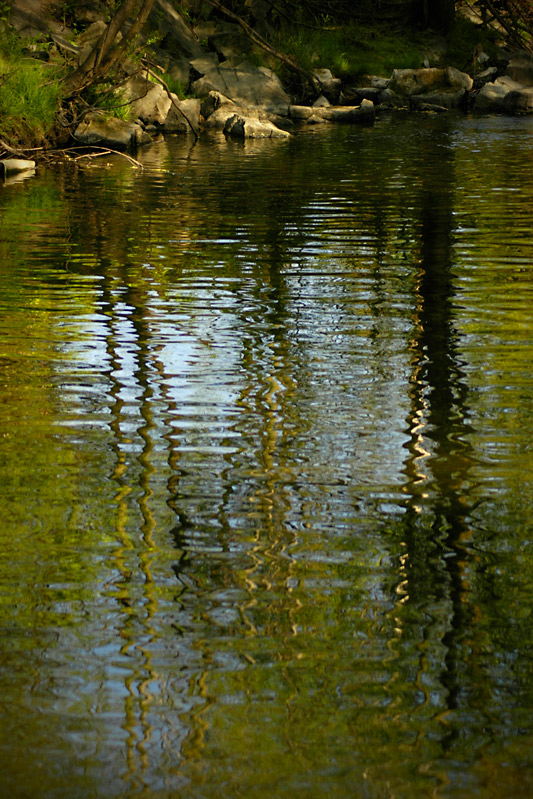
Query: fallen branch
<point x="12" y="150"/>
<point x="92" y="154"/>
<point x="107" y="151"/>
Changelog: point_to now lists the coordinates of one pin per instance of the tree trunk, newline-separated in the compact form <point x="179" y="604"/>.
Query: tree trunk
<point x="109" y="52"/>
<point x="438" y="14"/>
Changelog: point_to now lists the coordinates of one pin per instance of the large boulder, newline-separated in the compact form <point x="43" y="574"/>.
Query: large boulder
<point x="90" y="38"/>
<point x="444" y="87"/>
<point x="150" y="102"/>
<point x="245" y="84"/>
<point x="520" y="69"/>
<point x="97" y="130"/>
<point x="174" y="33"/>
<point x="183" y="116"/>
<point x="32" y="18"/>
<point x="504" y="96"/>
<point x="221" y="113"/>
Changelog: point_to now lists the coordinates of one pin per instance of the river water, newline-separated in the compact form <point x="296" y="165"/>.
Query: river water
<point x="266" y="428"/>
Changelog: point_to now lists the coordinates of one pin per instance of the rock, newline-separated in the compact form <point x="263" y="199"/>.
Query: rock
<point x="354" y="95"/>
<point x="485" y="77"/>
<point x="113" y="133"/>
<point x="204" y="64"/>
<point x="445" y="87"/>
<point x="408" y="82"/>
<point x="330" y="86"/>
<point x="321" y="102"/>
<point x="302" y="112"/>
<point x="418" y="105"/>
<point x="150" y="101"/>
<point x="90" y="38"/>
<point x="245" y="85"/>
<point x="242" y="127"/>
<point x="520" y="69"/>
<point x="12" y="165"/>
<point x="176" y="36"/>
<point x="229" y="43"/>
<point x="504" y="96"/>
<point x="183" y="116"/>
<point x="375" y="82"/>
<point x="490" y="98"/>
<point x="32" y="18"/>
<point x="216" y="110"/>
<point x="518" y="102"/>
<point x="365" y="112"/>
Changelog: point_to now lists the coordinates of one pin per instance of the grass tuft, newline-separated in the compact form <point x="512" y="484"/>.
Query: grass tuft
<point x="29" y="94"/>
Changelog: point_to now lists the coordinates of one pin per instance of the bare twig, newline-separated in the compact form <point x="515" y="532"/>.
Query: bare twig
<point x="176" y="106"/>
<point x="5" y="146"/>
<point x="107" y="151"/>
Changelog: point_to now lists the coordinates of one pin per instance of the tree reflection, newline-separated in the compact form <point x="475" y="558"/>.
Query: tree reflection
<point x="436" y="527"/>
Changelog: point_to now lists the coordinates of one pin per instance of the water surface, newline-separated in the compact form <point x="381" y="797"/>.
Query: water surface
<point x="266" y="421"/>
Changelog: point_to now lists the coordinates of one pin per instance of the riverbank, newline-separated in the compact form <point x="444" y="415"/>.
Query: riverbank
<point x="187" y="75"/>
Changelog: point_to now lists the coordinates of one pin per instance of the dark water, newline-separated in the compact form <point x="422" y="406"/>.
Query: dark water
<point x="266" y="422"/>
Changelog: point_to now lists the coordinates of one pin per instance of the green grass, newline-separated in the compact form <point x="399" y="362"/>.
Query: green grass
<point x="29" y="94"/>
<point x="351" y="50"/>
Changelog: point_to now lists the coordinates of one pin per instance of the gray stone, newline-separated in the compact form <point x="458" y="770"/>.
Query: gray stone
<point x="520" y="69"/>
<point x="112" y="133"/>
<point x="90" y="38"/>
<point x="330" y="86"/>
<point x="175" y="34"/>
<point x="517" y="102"/>
<point x="302" y="112"/>
<point x="372" y="93"/>
<point x="229" y="44"/>
<point x="183" y="116"/>
<point x="321" y="102"/>
<point x="365" y="112"/>
<point x="494" y="97"/>
<point x="204" y="63"/>
<point x="242" y="127"/>
<point x="409" y="82"/>
<point x="12" y="165"/>
<point x="246" y="85"/>
<point x="150" y="101"/>
<point x="484" y="77"/>
<point x="374" y="82"/>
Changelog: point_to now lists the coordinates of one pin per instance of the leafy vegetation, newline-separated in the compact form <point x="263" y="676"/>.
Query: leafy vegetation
<point x="351" y="50"/>
<point x="29" y="93"/>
